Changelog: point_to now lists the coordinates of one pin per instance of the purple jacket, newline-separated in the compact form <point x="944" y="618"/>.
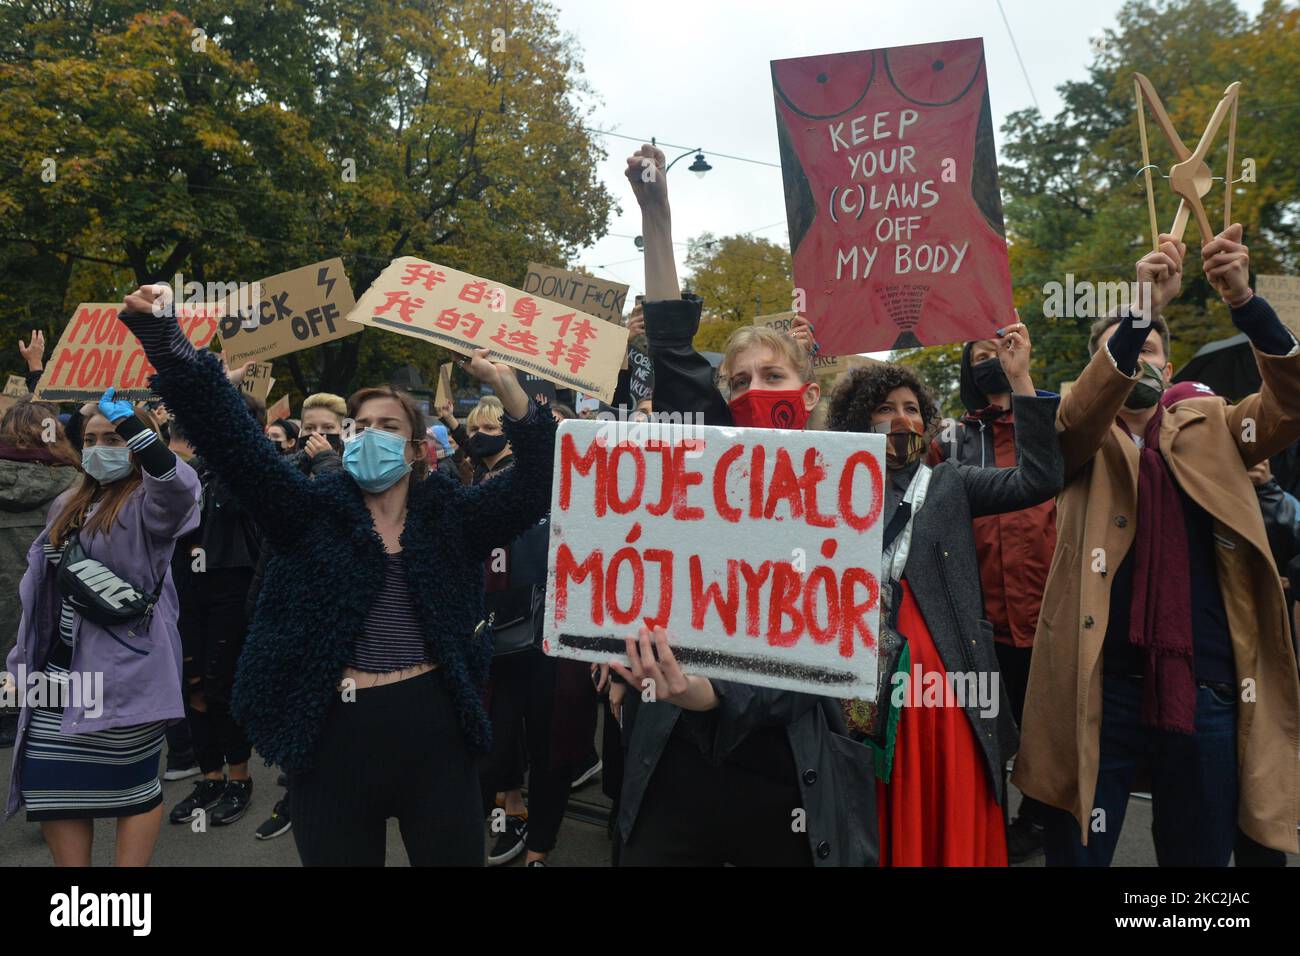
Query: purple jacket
<point x="141" y="685"/>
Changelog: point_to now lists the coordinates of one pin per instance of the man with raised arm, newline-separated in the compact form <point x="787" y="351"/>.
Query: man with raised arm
<point x="1162" y="657"/>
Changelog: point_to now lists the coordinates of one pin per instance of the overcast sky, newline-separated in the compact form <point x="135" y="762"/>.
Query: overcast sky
<point x="695" y="73"/>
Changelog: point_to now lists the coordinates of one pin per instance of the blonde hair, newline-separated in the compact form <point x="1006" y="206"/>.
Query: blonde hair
<point x="326" y="400"/>
<point x="781" y="345"/>
<point x="488" y="410"/>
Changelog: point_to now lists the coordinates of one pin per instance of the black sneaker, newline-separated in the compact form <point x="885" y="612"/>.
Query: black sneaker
<point x="277" y="824"/>
<point x="1024" y="840"/>
<point x="205" y="795"/>
<point x="234" y="802"/>
<point x="510" y="843"/>
<point x="584" y="776"/>
<point x="180" y="766"/>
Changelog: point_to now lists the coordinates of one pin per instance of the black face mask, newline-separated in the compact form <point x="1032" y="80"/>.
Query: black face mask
<point x="485" y="446"/>
<point x="336" y="441"/>
<point x="989" y="377"/>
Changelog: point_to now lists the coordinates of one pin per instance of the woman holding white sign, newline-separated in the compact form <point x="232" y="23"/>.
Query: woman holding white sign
<point x="369" y="695"/>
<point x="717" y="771"/>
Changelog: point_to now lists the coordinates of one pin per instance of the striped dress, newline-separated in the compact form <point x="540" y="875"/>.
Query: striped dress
<point x="107" y="773"/>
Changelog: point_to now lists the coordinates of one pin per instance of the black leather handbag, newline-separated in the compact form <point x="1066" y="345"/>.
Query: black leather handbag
<point x="97" y="593"/>
<point x="519" y="627"/>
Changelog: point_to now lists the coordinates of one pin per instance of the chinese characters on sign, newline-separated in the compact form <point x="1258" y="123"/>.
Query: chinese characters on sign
<point x="463" y="312"/>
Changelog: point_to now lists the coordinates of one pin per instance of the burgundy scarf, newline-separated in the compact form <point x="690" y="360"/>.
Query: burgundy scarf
<point x="1160" y="620"/>
<point x="14" y="453"/>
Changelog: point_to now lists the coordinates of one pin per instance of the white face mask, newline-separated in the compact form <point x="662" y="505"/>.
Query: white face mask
<point x="105" y="464"/>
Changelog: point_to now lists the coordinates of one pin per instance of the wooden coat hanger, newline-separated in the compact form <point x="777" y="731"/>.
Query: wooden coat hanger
<point x="1190" y="178"/>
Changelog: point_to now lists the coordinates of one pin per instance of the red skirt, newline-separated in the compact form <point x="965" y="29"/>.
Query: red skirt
<point x="938" y="808"/>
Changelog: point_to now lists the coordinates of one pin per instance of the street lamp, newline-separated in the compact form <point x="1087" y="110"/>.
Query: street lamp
<point x="699" y="167"/>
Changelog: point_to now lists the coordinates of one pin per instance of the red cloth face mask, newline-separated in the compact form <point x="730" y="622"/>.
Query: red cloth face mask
<point x="771" y="408"/>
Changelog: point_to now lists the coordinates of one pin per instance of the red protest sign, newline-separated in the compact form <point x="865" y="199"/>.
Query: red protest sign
<point x="96" y="351"/>
<point x="758" y="550"/>
<point x="892" y="196"/>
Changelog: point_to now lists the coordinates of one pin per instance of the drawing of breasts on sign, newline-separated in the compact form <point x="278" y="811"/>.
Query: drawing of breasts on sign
<point x="891" y="191"/>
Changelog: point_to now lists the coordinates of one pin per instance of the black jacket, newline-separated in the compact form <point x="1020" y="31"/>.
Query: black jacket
<point x="835" y="775"/>
<point x="328" y="559"/>
<point x="322" y="464"/>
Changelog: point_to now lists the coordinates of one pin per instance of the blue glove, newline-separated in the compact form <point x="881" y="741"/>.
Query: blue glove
<point x="114" y="411"/>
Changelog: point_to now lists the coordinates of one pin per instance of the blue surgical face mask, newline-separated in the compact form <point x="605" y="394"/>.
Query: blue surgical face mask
<point x="376" y="459"/>
<point x="106" y="464"/>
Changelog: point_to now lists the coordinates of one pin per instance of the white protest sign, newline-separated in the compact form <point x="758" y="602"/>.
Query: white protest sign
<point x="758" y="550"/>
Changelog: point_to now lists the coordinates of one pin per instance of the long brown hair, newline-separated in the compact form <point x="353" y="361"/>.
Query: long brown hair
<point x="25" y="426"/>
<point x="110" y="497"/>
<point x="420" y="466"/>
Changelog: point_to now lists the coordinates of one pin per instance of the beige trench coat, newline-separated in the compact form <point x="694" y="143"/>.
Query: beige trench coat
<point x="1208" y="445"/>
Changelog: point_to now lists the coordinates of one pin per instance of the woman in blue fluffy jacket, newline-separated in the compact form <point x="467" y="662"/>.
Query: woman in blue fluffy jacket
<point x="368" y="694"/>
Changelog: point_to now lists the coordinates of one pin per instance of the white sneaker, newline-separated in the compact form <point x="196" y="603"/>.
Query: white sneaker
<point x="586" y="775"/>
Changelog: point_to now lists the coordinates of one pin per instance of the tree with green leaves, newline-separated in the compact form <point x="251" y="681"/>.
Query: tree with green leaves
<point x="738" y="277"/>
<point x="1074" y="199"/>
<point x="234" y="140"/>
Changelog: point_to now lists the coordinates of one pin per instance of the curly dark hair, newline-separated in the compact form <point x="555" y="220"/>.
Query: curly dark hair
<point x="863" y="389"/>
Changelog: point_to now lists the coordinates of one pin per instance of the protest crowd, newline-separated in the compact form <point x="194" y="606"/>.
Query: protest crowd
<point x="358" y="594"/>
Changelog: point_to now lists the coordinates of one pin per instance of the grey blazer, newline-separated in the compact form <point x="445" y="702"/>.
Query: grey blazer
<point x="943" y="572"/>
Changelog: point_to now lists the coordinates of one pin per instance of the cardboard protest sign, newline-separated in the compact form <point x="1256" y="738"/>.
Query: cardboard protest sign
<point x="297" y="310"/>
<point x="822" y="364"/>
<point x="463" y="312"/>
<point x="443" y="395"/>
<point x="585" y="293"/>
<point x="258" y="381"/>
<point x="891" y="194"/>
<point x="15" y="390"/>
<point x="1283" y="294"/>
<point x="96" y="351"/>
<point x="279" y="410"/>
<point x="758" y="550"/>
